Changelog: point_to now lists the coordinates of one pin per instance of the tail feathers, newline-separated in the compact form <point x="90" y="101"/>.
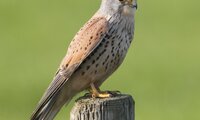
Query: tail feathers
<point x="46" y="112"/>
<point x="51" y="108"/>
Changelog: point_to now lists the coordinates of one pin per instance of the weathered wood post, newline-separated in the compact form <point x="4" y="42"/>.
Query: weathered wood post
<point x="120" y="107"/>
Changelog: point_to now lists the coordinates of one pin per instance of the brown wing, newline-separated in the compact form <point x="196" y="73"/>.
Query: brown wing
<point x="85" y="41"/>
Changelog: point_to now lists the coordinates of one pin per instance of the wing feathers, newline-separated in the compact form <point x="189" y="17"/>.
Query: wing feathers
<point x="85" y="41"/>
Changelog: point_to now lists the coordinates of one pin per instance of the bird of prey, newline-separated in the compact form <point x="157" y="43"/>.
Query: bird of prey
<point x="95" y="52"/>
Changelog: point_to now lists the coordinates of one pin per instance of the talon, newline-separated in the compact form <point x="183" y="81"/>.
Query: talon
<point x="114" y="93"/>
<point x="97" y="93"/>
<point x="87" y="95"/>
<point x="101" y="95"/>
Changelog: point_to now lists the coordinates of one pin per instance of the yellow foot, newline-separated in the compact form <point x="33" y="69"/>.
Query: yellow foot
<point x="98" y="95"/>
<point x="101" y="95"/>
<point x="95" y="92"/>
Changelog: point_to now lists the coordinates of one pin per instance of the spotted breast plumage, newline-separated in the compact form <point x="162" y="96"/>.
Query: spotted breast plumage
<point x="96" y="51"/>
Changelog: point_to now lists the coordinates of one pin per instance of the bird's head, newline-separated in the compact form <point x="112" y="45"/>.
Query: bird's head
<point x="124" y="7"/>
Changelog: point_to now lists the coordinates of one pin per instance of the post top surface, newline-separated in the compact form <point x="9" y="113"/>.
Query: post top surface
<point x="90" y="100"/>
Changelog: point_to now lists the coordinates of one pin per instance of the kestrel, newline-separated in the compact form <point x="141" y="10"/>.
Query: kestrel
<point x="96" y="51"/>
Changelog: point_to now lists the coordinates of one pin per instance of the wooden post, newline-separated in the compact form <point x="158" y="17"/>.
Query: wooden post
<point x="120" y="107"/>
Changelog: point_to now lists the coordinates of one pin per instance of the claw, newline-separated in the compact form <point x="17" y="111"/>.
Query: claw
<point x="101" y="95"/>
<point x="114" y="93"/>
<point x="95" y="92"/>
<point x="87" y="95"/>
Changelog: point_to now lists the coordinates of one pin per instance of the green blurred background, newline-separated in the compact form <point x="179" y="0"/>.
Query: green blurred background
<point x="161" y="70"/>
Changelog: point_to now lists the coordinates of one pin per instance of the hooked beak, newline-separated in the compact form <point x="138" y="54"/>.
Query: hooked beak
<point x="130" y="3"/>
<point x="135" y="6"/>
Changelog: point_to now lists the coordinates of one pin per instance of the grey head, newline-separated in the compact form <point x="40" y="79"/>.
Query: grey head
<point x="123" y="7"/>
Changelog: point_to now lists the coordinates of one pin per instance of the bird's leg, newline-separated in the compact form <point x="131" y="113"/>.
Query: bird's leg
<point x="97" y="93"/>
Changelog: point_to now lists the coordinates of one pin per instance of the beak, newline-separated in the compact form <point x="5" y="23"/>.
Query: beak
<point x="135" y="6"/>
<point x="130" y="3"/>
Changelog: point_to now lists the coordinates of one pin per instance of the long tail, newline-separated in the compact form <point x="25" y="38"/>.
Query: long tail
<point x="51" y="108"/>
<point x="45" y="112"/>
<point x="58" y="94"/>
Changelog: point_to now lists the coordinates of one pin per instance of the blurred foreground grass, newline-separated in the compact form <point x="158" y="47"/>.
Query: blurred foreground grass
<point x="161" y="70"/>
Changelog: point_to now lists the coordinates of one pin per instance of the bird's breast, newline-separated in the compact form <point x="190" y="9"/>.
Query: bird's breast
<point x="108" y="55"/>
